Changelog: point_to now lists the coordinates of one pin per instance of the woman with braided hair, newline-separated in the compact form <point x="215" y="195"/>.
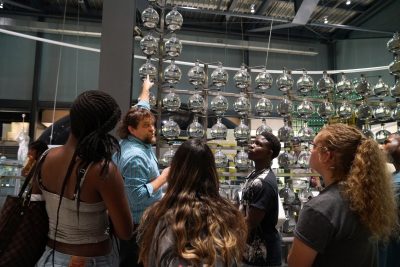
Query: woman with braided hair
<point x="341" y="226"/>
<point x="83" y="189"/>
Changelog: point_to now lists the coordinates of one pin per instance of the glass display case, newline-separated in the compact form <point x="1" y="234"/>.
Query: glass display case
<point x="10" y="178"/>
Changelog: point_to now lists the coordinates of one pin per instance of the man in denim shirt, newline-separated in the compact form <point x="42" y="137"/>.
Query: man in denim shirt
<point x="138" y="166"/>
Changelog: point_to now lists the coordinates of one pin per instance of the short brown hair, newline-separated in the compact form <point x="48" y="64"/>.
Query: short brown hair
<point x="132" y="118"/>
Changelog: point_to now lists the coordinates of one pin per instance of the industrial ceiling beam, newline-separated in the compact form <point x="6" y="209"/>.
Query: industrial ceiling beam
<point x="231" y="6"/>
<point x="13" y="3"/>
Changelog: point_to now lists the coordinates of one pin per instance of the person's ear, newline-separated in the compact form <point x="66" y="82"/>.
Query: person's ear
<point x="131" y="129"/>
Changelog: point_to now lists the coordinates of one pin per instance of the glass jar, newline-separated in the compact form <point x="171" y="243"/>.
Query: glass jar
<point x="219" y="130"/>
<point x="242" y="131"/>
<point x="395" y="89"/>
<point x="325" y="85"/>
<point x="344" y="86"/>
<point x="394" y="67"/>
<point x="167" y="157"/>
<point x="150" y="17"/>
<point x="382" y="112"/>
<point x="345" y="110"/>
<point x="196" y="74"/>
<point x="381" y="89"/>
<point x="196" y="103"/>
<point x="285" y="133"/>
<point x="382" y="134"/>
<point x="393" y="45"/>
<point x="306" y="134"/>
<point x="221" y="160"/>
<point x="285" y="107"/>
<point x="171" y="101"/>
<point x="326" y="110"/>
<point x="219" y="104"/>
<point x="219" y="76"/>
<point x="305" y="109"/>
<point x="362" y="86"/>
<point x="242" y="160"/>
<point x="174" y="20"/>
<point x="264" y="80"/>
<point x="148" y="69"/>
<point x="304" y="158"/>
<point x="364" y="111"/>
<point x="170" y="129"/>
<point x="286" y="159"/>
<point x="284" y="81"/>
<point x="396" y="112"/>
<point x="366" y="130"/>
<point x="263" y="127"/>
<point x="152" y="100"/>
<point x="242" y="104"/>
<point x="242" y="78"/>
<point x="264" y="106"/>
<point x="149" y="45"/>
<point x="172" y="73"/>
<point x="195" y="129"/>
<point x="305" y="84"/>
<point x="173" y="46"/>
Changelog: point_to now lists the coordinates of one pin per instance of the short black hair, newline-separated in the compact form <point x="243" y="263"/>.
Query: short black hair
<point x="274" y="142"/>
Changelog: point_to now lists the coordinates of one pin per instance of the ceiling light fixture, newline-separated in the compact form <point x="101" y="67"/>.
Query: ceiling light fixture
<point x="253" y="8"/>
<point x="1" y="4"/>
<point x="348" y="2"/>
<point x="326" y="19"/>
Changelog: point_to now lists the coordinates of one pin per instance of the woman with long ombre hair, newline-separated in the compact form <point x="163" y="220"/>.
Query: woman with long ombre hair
<point x="340" y="227"/>
<point x="192" y="225"/>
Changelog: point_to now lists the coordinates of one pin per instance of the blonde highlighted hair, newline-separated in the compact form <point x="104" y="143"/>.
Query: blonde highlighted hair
<point x="360" y="167"/>
<point x="205" y="226"/>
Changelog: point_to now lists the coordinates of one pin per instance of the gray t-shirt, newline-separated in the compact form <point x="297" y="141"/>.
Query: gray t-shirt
<point x="327" y="225"/>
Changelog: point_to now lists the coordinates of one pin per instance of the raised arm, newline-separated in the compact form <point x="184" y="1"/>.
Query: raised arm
<point x="145" y="94"/>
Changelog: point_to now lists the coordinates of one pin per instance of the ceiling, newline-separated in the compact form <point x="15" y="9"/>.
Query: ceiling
<point x="307" y="19"/>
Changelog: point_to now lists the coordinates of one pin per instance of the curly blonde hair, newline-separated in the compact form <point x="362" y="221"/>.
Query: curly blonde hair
<point x="204" y="224"/>
<point x="360" y="167"/>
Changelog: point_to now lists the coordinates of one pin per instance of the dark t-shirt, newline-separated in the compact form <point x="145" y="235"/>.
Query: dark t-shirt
<point x="327" y="225"/>
<point x="261" y="191"/>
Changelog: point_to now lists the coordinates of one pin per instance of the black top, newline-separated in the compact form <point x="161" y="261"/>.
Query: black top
<point x="327" y="225"/>
<point x="261" y="191"/>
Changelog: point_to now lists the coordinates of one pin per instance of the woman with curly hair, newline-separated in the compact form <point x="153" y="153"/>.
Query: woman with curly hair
<point x="192" y="225"/>
<point x="340" y="227"/>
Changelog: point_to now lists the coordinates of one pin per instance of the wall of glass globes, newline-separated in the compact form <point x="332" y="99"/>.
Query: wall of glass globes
<point x="304" y="104"/>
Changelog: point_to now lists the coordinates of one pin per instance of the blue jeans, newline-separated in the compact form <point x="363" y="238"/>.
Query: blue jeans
<point x="63" y="260"/>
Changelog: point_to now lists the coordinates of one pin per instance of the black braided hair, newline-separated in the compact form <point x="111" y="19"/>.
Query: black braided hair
<point x="93" y="114"/>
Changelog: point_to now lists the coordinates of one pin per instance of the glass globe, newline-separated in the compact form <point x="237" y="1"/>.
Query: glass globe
<point x="174" y="20"/>
<point x="173" y="46"/>
<point x="219" y="76"/>
<point x="242" y="160"/>
<point x="264" y="80"/>
<point x="264" y="106"/>
<point x="345" y="110"/>
<point x="394" y="67"/>
<point x="149" y="45"/>
<point x="364" y="111"/>
<point x="305" y="109"/>
<point x="304" y="158"/>
<point x="263" y="128"/>
<point x="285" y="133"/>
<point x="344" y="86"/>
<point x="242" y="78"/>
<point x="150" y="17"/>
<point x="395" y="89"/>
<point x="326" y="110"/>
<point x="381" y="89"/>
<point x="196" y="74"/>
<point x="219" y="104"/>
<point x="284" y="81"/>
<point x="148" y="69"/>
<point x="172" y="73"/>
<point x="221" y="160"/>
<point x="285" y="107"/>
<point x="305" y="83"/>
<point x="393" y="45"/>
<point x="171" y="101"/>
<point x="382" y="135"/>
<point x="382" y="112"/>
<point x="196" y="103"/>
<point x="195" y="129"/>
<point x="167" y="157"/>
<point x="170" y="129"/>
<point x="152" y="100"/>
<point x="362" y="86"/>
<point x="287" y="194"/>
<point x="242" y="131"/>
<point x="306" y="134"/>
<point x="366" y="130"/>
<point x="325" y="85"/>
<point x="219" y="130"/>
<point x="396" y="112"/>
<point x="242" y="104"/>
<point x="286" y="160"/>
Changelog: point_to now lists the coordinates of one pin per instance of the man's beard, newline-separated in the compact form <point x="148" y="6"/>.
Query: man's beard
<point x="150" y="140"/>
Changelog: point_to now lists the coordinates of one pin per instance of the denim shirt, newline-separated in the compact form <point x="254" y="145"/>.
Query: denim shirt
<point x="138" y="166"/>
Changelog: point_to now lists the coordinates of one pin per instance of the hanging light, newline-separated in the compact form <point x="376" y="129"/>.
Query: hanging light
<point x="326" y="19"/>
<point x="253" y="8"/>
<point x="348" y="2"/>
